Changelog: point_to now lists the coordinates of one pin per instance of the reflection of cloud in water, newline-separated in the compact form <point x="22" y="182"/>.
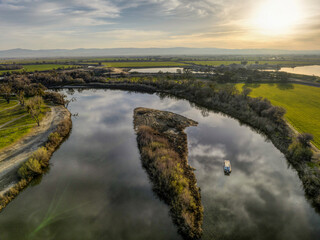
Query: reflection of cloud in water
<point x="261" y="199"/>
<point x="257" y="200"/>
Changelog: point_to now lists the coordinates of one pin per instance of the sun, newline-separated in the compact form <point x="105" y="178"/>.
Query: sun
<point x="274" y="17"/>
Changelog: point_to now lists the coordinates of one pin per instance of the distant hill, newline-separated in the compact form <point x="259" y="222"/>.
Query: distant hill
<point x="94" y="52"/>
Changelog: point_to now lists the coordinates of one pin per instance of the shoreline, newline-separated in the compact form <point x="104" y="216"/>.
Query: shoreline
<point x="281" y="139"/>
<point x="17" y="154"/>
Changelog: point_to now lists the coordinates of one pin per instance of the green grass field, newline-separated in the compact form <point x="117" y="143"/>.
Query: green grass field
<point x="142" y="64"/>
<point x="218" y="63"/>
<point x="45" y="67"/>
<point x="18" y="127"/>
<point x="301" y="102"/>
<point x="40" y="67"/>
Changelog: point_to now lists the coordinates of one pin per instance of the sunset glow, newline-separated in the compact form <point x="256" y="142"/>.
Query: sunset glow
<point x="277" y="17"/>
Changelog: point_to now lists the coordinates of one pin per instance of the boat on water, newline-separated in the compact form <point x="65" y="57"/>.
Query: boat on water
<point x="227" y="167"/>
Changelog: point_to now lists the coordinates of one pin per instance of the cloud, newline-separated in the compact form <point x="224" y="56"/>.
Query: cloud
<point x="143" y="23"/>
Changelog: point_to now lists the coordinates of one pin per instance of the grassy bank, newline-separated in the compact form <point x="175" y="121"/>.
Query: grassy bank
<point x="38" y="163"/>
<point x="16" y="122"/>
<point x="302" y="104"/>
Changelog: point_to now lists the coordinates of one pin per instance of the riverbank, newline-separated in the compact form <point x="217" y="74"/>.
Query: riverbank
<point x="164" y="153"/>
<point x="239" y="106"/>
<point x="16" y="155"/>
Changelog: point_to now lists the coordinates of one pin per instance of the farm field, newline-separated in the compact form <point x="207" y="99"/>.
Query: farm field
<point x="301" y="102"/>
<point x="45" y="67"/>
<point x="15" y="122"/>
<point x="143" y="64"/>
<point x="40" y="67"/>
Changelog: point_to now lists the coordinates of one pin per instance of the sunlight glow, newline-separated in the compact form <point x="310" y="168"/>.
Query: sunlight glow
<point x="274" y="17"/>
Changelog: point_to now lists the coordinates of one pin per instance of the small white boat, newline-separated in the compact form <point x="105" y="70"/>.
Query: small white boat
<point x="227" y="167"/>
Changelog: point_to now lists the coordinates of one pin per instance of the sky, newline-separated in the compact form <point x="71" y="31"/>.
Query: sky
<point x="234" y="24"/>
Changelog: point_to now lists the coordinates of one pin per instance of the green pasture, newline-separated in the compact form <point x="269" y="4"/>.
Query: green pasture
<point x="301" y="102"/>
<point x="19" y="126"/>
<point x="40" y="67"/>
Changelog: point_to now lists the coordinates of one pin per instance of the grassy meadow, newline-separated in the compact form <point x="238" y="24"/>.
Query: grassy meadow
<point x="40" y="67"/>
<point x="301" y="102"/>
<point x="21" y="123"/>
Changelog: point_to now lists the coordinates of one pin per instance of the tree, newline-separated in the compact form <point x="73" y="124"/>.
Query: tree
<point x="33" y="106"/>
<point x="305" y="138"/>
<point x="6" y="91"/>
<point x="246" y="91"/>
<point x="20" y="97"/>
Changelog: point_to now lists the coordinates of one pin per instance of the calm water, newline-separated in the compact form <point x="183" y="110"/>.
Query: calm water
<point x="97" y="189"/>
<point x="306" y="70"/>
<point x="156" y="70"/>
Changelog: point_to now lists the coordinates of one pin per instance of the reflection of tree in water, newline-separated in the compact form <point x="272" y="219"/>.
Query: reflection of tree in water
<point x="285" y="86"/>
<point x="71" y="91"/>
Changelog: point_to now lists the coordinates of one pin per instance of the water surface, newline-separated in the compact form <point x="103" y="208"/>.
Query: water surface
<point x="97" y="189"/>
<point x="156" y="70"/>
<point x="306" y="70"/>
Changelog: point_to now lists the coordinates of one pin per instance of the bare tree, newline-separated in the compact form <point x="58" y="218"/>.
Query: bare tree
<point x="33" y="106"/>
<point x="20" y="97"/>
<point x="6" y="91"/>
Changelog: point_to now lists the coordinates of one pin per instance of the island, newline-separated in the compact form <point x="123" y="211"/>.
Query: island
<point x="163" y="147"/>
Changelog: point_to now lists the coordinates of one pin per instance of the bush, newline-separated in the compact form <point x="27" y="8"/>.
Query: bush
<point x="305" y="138"/>
<point x="300" y="153"/>
<point x="64" y="127"/>
<point x="42" y="156"/>
<point x="55" y="98"/>
<point x="30" y="168"/>
<point x="54" y="140"/>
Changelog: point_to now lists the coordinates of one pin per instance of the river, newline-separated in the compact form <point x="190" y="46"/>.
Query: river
<point x="96" y="187"/>
<point x="306" y="70"/>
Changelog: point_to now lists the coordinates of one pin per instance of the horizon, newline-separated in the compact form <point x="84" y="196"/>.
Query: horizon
<point x="101" y="24"/>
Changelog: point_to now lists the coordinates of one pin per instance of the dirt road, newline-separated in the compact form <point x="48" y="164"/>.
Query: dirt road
<point x="13" y="156"/>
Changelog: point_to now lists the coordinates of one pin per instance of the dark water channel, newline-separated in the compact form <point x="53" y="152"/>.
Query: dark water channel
<point x="97" y="189"/>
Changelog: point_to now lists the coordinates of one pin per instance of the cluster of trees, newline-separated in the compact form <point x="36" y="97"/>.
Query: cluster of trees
<point x="54" y="78"/>
<point x="9" y="67"/>
<point x="30" y="95"/>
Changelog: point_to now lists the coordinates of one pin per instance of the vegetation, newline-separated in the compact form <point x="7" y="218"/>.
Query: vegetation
<point x="16" y="122"/>
<point x="38" y="68"/>
<point x="164" y="156"/>
<point x="38" y="163"/>
<point x="302" y="104"/>
<point x="6" y="91"/>
<point x="17" y="118"/>
<point x="33" y="106"/>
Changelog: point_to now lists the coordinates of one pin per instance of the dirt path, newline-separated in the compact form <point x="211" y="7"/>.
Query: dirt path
<point x="13" y="156"/>
<point x="13" y="120"/>
<point x="313" y="147"/>
<point x="9" y="107"/>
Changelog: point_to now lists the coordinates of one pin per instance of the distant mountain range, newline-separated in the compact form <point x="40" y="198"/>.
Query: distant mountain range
<point x="105" y="52"/>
